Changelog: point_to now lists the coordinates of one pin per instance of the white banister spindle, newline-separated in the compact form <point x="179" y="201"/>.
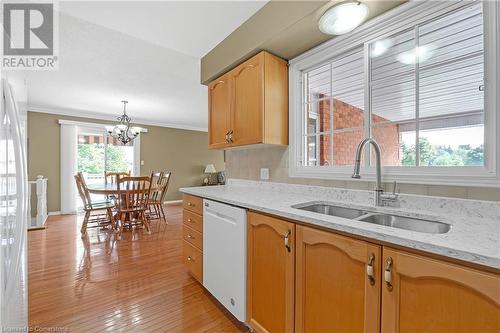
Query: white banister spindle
<point x="41" y="202"/>
<point x="41" y="206"/>
<point x="30" y="221"/>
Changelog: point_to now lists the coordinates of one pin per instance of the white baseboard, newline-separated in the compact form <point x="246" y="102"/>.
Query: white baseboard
<point x="54" y="213"/>
<point x="172" y="202"/>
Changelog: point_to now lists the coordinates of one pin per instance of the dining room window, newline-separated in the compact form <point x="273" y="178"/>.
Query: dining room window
<point x="86" y="147"/>
<point x="418" y="89"/>
<point x="98" y="153"/>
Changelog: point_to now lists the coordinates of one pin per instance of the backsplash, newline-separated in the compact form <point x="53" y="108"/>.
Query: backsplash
<point x="246" y="163"/>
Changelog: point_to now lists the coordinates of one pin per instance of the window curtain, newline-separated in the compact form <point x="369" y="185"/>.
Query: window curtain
<point x="137" y="156"/>
<point x="68" y="168"/>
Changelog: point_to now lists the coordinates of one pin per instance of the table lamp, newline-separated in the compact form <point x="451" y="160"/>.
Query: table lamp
<point x="209" y="169"/>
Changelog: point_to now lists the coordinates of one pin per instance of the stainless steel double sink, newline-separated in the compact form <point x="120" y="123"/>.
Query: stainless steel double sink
<point x="390" y="220"/>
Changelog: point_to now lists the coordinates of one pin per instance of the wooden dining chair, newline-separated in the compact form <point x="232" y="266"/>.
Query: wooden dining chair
<point x="106" y="199"/>
<point x="112" y="177"/>
<point x="156" y="209"/>
<point x="93" y="211"/>
<point x="132" y="202"/>
<point x="156" y="177"/>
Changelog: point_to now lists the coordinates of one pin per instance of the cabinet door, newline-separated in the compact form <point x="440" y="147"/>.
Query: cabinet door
<point x="429" y="295"/>
<point x="270" y="273"/>
<point x="248" y="109"/>
<point x="219" y="109"/>
<point x="334" y="292"/>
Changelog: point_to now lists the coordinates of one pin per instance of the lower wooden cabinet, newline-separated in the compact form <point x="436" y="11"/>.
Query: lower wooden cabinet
<point x="337" y="283"/>
<point x="270" y="274"/>
<point x="427" y="295"/>
<point x="193" y="259"/>
<point x="302" y="279"/>
<point x="192" y="235"/>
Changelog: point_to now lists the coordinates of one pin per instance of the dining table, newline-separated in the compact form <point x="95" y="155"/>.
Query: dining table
<point x="107" y="189"/>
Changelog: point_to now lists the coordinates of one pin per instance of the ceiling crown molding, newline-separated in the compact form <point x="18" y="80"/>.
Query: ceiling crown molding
<point x="101" y="116"/>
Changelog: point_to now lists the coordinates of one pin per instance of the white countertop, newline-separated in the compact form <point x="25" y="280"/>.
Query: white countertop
<point x="474" y="236"/>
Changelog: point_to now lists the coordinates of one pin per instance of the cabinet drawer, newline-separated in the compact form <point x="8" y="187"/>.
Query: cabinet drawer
<point x="192" y="203"/>
<point x="193" y="259"/>
<point x="192" y="237"/>
<point x="192" y="220"/>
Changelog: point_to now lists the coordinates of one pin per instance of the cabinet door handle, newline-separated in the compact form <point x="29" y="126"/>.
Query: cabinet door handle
<point x="287" y="240"/>
<point x="189" y="258"/>
<point x="369" y="269"/>
<point x="189" y="220"/>
<point x="231" y="136"/>
<point x="388" y="273"/>
<point x="189" y="236"/>
<point x="227" y="137"/>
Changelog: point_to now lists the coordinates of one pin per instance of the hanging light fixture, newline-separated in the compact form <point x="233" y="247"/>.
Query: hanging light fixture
<point x="343" y="17"/>
<point x="122" y="131"/>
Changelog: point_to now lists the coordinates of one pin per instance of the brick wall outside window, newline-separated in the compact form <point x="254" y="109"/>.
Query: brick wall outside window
<point x="348" y="132"/>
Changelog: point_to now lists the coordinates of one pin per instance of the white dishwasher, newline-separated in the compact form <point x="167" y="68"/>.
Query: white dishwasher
<point x="224" y="255"/>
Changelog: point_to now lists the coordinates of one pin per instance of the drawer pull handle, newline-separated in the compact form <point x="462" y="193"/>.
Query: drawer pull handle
<point x="369" y="269"/>
<point x="189" y="220"/>
<point x="189" y="237"/>
<point x="189" y="258"/>
<point x="388" y="273"/>
<point x="287" y="240"/>
<point x="190" y="204"/>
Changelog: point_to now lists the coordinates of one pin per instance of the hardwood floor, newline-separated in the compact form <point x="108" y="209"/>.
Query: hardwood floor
<point x="97" y="284"/>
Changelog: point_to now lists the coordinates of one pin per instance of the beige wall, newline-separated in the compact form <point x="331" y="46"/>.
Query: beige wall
<point x="246" y="163"/>
<point x="183" y="152"/>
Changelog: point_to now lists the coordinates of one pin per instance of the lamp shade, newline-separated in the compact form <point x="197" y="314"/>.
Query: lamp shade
<point x="210" y="168"/>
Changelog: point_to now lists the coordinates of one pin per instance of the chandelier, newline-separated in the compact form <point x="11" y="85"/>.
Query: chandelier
<point x="122" y="131"/>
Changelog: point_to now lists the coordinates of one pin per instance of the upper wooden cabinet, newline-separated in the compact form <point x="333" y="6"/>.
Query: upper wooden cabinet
<point x="427" y="295"/>
<point x="248" y="101"/>
<point x="270" y="273"/>
<point x="219" y="101"/>
<point x="249" y="104"/>
<point x="337" y="283"/>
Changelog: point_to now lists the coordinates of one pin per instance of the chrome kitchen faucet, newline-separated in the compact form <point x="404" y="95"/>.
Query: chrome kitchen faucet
<point x="380" y="197"/>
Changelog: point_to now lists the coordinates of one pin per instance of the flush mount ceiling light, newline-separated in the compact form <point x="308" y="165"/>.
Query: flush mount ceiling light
<point x="343" y="18"/>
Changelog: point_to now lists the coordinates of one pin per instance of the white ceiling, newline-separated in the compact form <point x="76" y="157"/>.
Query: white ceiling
<point x="146" y="52"/>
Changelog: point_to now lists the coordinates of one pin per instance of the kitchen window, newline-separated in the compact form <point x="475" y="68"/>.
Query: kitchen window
<point x="420" y="80"/>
